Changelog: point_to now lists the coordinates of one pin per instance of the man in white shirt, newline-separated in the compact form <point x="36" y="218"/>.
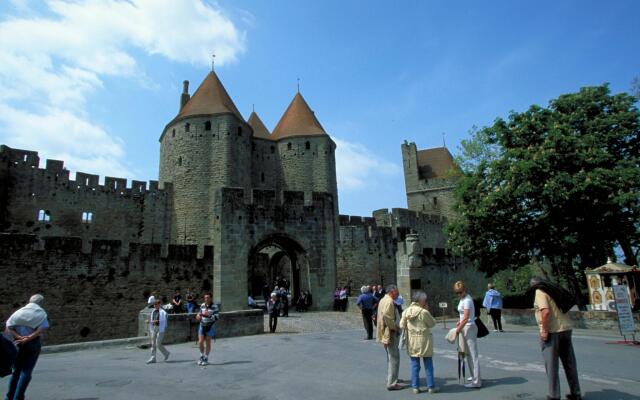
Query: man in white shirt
<point x="25" y="327"/>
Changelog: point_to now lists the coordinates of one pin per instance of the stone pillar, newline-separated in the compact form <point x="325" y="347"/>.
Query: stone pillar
<point x="409" y="266"/>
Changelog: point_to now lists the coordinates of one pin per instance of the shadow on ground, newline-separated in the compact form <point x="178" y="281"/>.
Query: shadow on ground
<point x="451" y="385"/>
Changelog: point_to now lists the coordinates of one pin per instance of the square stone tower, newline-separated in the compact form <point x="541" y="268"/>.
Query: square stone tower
<point x="430" y="177"/>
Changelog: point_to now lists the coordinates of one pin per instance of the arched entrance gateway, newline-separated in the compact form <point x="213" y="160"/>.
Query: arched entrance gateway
<point x="277" y="256"/>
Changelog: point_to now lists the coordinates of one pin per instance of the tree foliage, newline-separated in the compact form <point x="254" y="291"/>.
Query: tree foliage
<point x="559" y="183"/>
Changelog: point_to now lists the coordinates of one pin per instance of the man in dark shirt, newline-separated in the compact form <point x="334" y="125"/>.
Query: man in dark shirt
<point x="366" y="301"/>
<point x="177" y="302"/>
<point x="379" y="294"/>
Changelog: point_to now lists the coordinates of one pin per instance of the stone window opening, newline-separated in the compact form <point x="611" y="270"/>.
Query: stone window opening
<point x="187" y="127"/>
<point x="24" y="158"/>
<point x="262" y="176"/>
<point x="44" y="216"/>
<point x="87" y="217"/>
<point x="86" y="182"/>
<point x="307" y="145"/>
<point x="273" y="149"/>
<point x="207" y="126"/>
<point x="253" y="147"/>
<point x="435" y="200"/>
<point x="180" y="161"/>
<point x="288" y="146"/>
<point x="239" y="131"/>
<point x="173" y="132"/>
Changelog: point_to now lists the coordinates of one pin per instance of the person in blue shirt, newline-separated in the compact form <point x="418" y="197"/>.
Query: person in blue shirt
<point x="367" y="302"/>
<point x="493" y="303"/>
<point x="26" y="327"/>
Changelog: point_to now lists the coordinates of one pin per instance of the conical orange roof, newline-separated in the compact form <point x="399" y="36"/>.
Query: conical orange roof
<point x="298" y="120"/>
<point x="259" y="130"/>
<point x="210" y="98"/>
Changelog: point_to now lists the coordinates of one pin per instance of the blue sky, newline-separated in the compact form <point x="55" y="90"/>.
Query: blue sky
<point x="95" y="82"/>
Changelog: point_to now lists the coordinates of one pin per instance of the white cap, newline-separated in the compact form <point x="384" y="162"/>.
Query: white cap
<point x="152" y="300"/>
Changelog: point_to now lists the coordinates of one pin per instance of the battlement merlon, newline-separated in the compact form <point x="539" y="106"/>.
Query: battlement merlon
<point x="31" y="160"/>
<point x="355" y="220"/>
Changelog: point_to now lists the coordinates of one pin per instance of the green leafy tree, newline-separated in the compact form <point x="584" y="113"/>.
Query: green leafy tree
<point x="560" y="184"/>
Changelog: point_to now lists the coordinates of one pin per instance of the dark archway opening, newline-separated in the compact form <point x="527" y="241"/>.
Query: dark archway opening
<point x="277" y="261"/>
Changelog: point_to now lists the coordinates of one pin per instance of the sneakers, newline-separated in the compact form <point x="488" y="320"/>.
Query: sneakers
<point x="469" y="379"/>
<point x="203" y="360"/>
<point x="433" y="390"/>
<point x="151" y="360"/>
<point x="417" y="391"/>
<point x="394" y="387"/>
<point x="166" y="356"/>
<point x="472" y="386"/>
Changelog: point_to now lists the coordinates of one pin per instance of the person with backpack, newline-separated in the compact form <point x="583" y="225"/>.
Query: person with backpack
<point x="551" y="305"/>
<point x="207" y="316"/>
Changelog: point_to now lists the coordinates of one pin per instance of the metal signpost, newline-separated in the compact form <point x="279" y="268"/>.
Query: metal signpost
<point x="625" y="315"/>
<point x="443" y="307"/>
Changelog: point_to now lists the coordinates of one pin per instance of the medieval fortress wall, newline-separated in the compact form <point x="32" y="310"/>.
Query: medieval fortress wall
<point x="232" y="200"/>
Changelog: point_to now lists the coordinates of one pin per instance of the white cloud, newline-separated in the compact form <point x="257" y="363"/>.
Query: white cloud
<point x="357" y="167"/>
<point x="51" y="63"/>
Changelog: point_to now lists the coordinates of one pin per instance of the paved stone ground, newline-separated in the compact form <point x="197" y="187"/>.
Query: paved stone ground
<point x="329" y="360"/>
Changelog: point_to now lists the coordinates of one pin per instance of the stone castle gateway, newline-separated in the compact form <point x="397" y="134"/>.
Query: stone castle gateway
<point x="234" y="206"/>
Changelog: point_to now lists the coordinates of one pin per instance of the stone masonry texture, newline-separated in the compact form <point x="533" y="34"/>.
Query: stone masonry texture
<point x="96" y="247"/>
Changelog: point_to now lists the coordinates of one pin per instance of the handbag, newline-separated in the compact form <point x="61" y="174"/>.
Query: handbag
<point x="403" y="339"/>
<point x="482" y="328"/>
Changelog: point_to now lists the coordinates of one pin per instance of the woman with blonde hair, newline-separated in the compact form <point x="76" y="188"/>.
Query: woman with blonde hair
<point x="468" y="329"/>
<point x="417" y="322"/>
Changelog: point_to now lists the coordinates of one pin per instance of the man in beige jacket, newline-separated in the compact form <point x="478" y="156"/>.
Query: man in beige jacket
<point x="387" y="332"/>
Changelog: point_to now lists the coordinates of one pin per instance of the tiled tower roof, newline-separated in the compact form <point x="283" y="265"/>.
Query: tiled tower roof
<point x="259" y="130"/>
<point x="298" y="120"/>
<point x="436" y="163"/>
<point x="210" y="98"/>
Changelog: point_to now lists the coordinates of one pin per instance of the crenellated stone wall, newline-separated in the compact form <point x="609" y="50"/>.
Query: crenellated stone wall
<point x="97" y="294"/>
<point x="46" y="202"/>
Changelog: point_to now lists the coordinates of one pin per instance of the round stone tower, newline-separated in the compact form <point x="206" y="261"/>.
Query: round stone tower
<point x="307" y="153"/>
<point x="205" y="147"/>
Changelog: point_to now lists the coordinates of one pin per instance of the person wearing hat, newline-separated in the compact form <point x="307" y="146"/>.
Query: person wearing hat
<point x="417" y="322"/>
<point x="25" y="327"/>
<point x="555" y="336"/>
<point x="273" y="308"/>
